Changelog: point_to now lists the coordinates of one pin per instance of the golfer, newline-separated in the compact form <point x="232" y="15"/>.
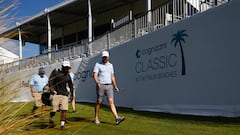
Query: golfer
<point x="105" y="81"/>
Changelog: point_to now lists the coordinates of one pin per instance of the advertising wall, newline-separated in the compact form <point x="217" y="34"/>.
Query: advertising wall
<point x="190" y="67"/>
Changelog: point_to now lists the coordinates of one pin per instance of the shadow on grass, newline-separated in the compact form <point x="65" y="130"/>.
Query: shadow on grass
<point x="34" y="122"/>
<point x="37" y="125"/>
<point x="187" y="118"/>
<point x="162" y="115"/>
<point x="78" y="119"/>
<point x="85" y="120"/>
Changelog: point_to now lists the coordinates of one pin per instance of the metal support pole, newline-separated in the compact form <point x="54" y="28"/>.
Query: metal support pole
<point x="90" y="35"/>
<point x="20" y="43"/>
<point x="49" y="34"/>
<point x="109" y="40"/>
<point x="130" y="15"/>
<point x="149" y="15"/>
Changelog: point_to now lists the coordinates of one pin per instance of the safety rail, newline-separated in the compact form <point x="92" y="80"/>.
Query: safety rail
<point x="135" y="28"/>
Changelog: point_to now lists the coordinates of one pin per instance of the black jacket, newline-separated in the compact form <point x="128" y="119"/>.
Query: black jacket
<point x="58" y="81"/>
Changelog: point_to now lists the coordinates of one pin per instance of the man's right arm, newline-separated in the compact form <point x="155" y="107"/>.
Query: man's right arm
<point x="95" y="76"/>
<point x="32" y="85"/>
<point x="51" y="81"/>
<point x="31" y="89"/>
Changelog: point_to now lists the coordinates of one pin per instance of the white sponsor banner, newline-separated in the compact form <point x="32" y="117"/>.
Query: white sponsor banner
<point x="191" y="67"/>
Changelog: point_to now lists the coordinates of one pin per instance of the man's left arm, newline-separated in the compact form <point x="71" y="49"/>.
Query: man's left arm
<point x="70" y="84"/>
<point x="114" y="82"/>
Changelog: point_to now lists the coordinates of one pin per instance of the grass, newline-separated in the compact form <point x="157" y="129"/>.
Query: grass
<point x="9" y="112"/>
<point x="136" y="123"/>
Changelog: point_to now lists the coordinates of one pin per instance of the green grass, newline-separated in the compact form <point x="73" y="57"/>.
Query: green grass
<point x="136" y="123"/>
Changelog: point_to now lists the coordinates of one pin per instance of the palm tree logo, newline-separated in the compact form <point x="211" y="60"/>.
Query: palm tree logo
<point x="178" y="39"/>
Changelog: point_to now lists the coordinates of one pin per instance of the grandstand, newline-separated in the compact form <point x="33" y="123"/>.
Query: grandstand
<point x="70" y="30"/>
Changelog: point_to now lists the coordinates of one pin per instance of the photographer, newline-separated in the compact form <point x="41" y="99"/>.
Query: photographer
<point x="58" y="81"/>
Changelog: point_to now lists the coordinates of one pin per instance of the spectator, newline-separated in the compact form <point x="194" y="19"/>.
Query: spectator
<point x="37" y="83"/>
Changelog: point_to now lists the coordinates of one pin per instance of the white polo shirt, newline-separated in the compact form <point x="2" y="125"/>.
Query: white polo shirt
<point x="104" y="71"/>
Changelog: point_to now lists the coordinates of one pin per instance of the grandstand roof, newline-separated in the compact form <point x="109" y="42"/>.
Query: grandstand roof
<point x="73" y="11"/>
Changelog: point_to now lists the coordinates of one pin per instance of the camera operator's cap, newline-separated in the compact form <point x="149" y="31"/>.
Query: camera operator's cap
<point x="105" y="53"/>
<point x="66" y="64"/>
<point x="41" y="70"/>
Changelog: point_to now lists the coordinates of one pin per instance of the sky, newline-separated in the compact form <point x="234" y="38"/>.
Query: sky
<point x="28" y="8"/>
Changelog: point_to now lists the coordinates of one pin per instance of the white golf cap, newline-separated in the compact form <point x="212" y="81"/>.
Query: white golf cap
<point x="105" y="53"/>
<point x="66" y="64"/>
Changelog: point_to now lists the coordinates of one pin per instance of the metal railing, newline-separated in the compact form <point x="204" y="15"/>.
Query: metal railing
<point x="137" y="27"/>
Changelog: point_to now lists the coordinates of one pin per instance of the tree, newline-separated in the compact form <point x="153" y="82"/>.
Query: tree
<point x="178" y="39"/>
